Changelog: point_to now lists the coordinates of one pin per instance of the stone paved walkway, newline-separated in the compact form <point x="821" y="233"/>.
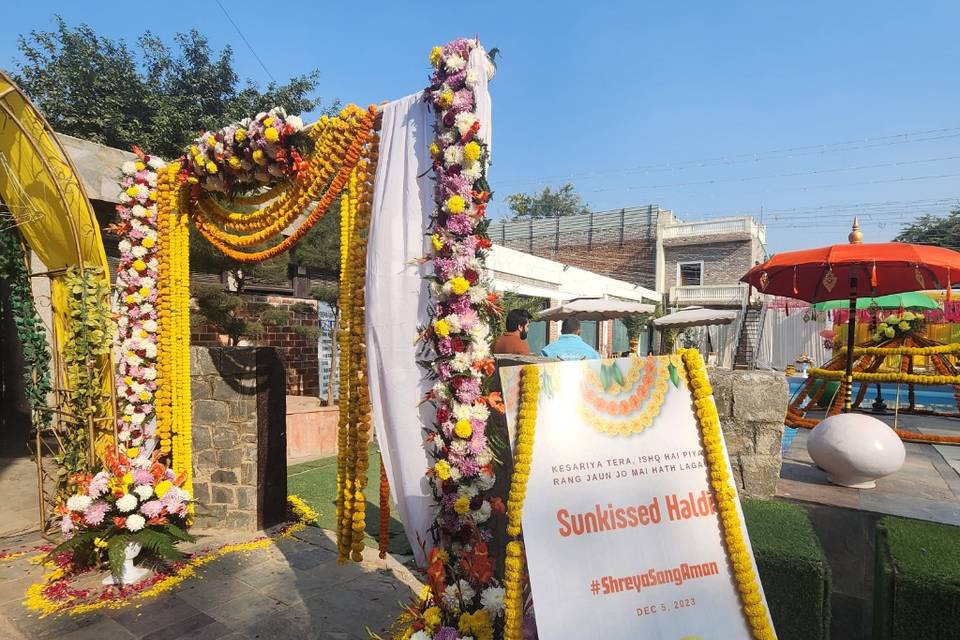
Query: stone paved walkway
<point x="292" y="590"/>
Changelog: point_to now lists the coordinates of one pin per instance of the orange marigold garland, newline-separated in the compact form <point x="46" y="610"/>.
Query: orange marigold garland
<point x="384" y="539"/>
<point x="725" y="495"/>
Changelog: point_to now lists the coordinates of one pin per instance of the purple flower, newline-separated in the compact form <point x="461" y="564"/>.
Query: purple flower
<point x="95" y="513"/>
<point x="142" y="476"/>
<point x="460" y="224"/>
<point x="468" y="319"/>
<point x="98" y="485"/>
<point x="446" y="633"/>
<point x="152" y="508"/>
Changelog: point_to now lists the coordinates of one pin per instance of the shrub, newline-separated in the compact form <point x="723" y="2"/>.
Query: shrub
<point x="917" y="583"/>
<point x="793" y="569"/>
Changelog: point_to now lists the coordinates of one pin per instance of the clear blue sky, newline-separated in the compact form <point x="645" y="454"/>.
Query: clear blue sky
<point x="636" y="103"/>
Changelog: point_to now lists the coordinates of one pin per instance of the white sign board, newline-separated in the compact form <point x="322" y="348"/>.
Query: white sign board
<point x="619" y="524"/>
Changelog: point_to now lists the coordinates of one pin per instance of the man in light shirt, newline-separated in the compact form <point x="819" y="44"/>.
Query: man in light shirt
<point x="570" y="346"/>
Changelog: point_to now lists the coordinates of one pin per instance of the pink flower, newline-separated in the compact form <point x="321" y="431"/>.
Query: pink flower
<point x="95" y="513"/>
<point x="152" y="508"/>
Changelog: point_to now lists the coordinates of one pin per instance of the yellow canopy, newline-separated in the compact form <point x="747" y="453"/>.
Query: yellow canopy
<point x="41" y="188"/>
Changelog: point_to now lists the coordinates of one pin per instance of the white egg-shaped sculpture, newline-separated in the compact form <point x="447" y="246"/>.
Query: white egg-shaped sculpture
<point x="855" y="449"/>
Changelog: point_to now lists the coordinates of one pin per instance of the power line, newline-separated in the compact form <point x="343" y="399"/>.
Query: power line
<point x="247" y="42"/>
<point x="927" y="135"/>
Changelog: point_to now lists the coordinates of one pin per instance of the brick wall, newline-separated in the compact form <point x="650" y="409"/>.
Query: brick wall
<point x="723" y="262"/>
<point x="298" y="353"/>
<point x="634" y="261"/>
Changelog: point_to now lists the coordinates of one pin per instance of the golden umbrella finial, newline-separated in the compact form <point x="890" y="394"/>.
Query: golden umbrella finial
<point x="856" y="236"/>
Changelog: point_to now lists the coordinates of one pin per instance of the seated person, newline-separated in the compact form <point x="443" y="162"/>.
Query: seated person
<point x="570" y="346"/>
<point x="514" y="339"/>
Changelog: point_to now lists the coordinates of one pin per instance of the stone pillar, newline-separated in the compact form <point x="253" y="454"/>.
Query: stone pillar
<point x="239" y="437"/>
<point x="752" y="406"/>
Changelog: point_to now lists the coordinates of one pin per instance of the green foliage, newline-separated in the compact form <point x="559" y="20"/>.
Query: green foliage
<point x="943" y="231"/>
<point x="86" y="358"/>
<point x="151" y="94"/>
<point x="327" y="293"/>
<point x="307" y="332"/>
<point x="304" y="308"/>
<point x="509" y="301"/>
<point x="793" y="569"/>
<point x="565" y="201"/>
<point x="30" y="330"/>
<point x="917" y="580"/>
<point x="636" y="324"/>
<point x="320" y="248"/>
<point x="274" y="316"/>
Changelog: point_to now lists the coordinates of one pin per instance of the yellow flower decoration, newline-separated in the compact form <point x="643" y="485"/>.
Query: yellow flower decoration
<point x="162" y="487"/>
<point x="271" y="134"/>
<point x="445" y="99"/>
<point x="240" y="135"/>
<point x="436" y="241"/>
<point x="139" y="265"/>
<point x="234" y="162"/>
<point x="148" y="243"/>
<point x="431" y="617"/>
<point x="459" y="285"/>
<point x="258" y="156"/>
<point x="139" y="165"/>
<point x="471" y="151"/>
<point x="442" y="469"/>
<point x="133" y="452"/>
<point x="436" y="56"/>
<point x="268" y="121"/>
<point x="132" y="191"/>
<point x="434" y="150"/>
<point x="462" y="505"/>
<point x="441" y="328"/>
<point x="463" y="429"/>
<point x="211" y="167"/>
<point x="456" y="204"/>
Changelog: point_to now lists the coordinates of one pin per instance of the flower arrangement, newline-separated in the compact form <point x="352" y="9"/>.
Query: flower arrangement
<point x="462" y="598"/>
<point x="135" y="344"/>
<point x="248" y="154"/>
<point x="898" y="325"/>
<point x="725" y="494"/>
<point x="137" y="500"/>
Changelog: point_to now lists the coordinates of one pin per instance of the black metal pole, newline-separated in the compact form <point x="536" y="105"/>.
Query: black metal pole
<point x="851" y="340"/>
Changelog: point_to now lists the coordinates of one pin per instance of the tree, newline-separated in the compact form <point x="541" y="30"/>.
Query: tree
<point x="565" y="201"/>
<point x="941" y="231"/>
<point x="152" y="96"/>
<point x="509" y="301"/>
<point x="231" y="315"/>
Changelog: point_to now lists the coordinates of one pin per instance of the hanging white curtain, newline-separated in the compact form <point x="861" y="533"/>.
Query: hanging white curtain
<point x="786" y="337"/>
<point x="397" y="298"/>
<point x="723" y="340"/>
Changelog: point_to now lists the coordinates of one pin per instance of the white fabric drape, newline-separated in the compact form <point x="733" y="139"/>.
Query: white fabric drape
<point x="397" y="297"/>
<point x="723" y="338"/>
<point x="786" y="337"/>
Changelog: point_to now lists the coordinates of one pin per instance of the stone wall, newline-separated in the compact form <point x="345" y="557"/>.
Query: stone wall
<point x="752" y="406"/>
<point x="296" y="348"/>
<point x="239" y="437"/>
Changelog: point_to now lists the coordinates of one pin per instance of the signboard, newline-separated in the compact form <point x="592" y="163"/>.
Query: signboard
<point x="619" y="524"/>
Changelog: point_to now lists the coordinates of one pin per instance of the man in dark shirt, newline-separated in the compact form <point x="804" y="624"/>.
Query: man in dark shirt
<point x="514" y="339"/>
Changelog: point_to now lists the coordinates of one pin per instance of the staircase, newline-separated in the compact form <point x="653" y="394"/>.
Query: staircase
<point x="749" y="337"/>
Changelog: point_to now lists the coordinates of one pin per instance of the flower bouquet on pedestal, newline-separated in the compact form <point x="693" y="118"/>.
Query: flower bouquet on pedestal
<point x="136" y="504"/>
<point x="897" y="326"/>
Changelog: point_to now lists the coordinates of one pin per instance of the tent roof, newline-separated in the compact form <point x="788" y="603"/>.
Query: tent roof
<point x="595" y="309"/>
<point x="695" y="317"/>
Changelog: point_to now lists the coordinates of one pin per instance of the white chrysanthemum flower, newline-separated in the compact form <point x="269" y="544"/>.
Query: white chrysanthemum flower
<point x="137" y="418"/>
<point x="156" y="163"/>
<point x="485" y="457"/>
<point x="453" y="155"/>
<point x="295" y="121"/>
<point x="454" y="594"/>
<point x="150" y="350"/>
<point x="143" y="192"/>
<point x="483" y="513"/>
<point x="492" y="600"/>
<point x="479" y="411"/>
<point x="471" y="79"/>
<point x="464" y="121"/>
<point x="461" y="362"/>
<point x="124" y="198"/>
<point x="128" y="167"/>
<point x="150" y="326"/>
<point x="448" y="137"/>
<point x="458" y="447"/>
<point x="138" y="251"/>
<point x="141" y="463"/>
<point x="420" y="635"/>
<point x="78" y="502"/>
<point x="468" y="490"/>
<point x="149" y="374"/>
<point x="127" y="502"/>
<point x="485" y="481"/>
<point x="453" y="320"/>
<point x="124" y="245"/>
<point x="441" y="391"/>
<point x="135" y="522"/>
<point x="138" y="210"/>
<point x="454" y="62"/>
<point x="143" y="491"/>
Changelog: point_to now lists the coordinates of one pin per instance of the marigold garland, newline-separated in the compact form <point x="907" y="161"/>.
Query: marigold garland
<point x="38" y="596"/>
<point x="383" y="542"/>
<point x="522" y="460"/>
<point x="354" y="422"/>
<point x="898" y="376"/>
<point x="725" y="494"/>
<point x="905" y="351"/>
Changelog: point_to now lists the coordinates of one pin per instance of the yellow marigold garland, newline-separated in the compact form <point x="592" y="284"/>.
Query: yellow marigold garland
<point x="905" y="351"/>
<point x="355" y="423"/>
<point x="897" y="376"/>
<point x="522" y="459"/>
<point x="725" y="496"/>
<point x="36" y="600"/>
<point x="173" y="355"/>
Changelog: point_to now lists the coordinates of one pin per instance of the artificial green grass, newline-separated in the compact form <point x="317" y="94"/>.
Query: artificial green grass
<point x="793" y="569"/>
<point x="316" y="483"/>
<point x="917" y="584"/>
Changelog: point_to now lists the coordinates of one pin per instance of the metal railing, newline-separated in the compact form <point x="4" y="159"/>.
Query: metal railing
<point x="726" y="294"/>
<point x="713" y="227"/>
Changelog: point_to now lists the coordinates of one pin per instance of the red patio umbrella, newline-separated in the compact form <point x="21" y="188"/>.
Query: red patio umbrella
<point x="854" y="270"/>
